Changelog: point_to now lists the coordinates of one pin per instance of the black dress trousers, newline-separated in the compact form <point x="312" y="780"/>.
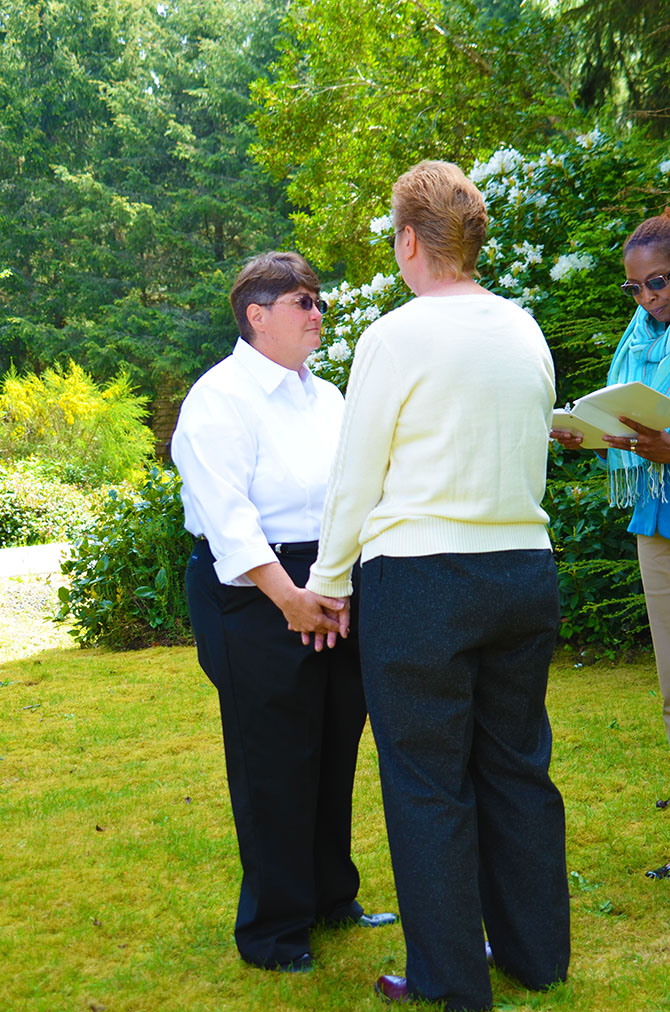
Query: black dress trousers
<point x="456" y="652"/>
<point x="292" y="719"/>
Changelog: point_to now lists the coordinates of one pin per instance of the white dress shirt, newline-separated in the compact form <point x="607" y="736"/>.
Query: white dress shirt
<point x="253" y="445"/>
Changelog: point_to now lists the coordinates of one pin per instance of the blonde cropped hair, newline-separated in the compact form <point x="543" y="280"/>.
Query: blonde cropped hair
<point x="447" y="213"/>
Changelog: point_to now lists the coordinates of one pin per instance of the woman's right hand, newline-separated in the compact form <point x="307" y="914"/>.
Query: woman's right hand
<point x="570" y="440"/>
<point x="308" y="613"/>
<point x="304" y="611"/>
<point x="336" y="609"/>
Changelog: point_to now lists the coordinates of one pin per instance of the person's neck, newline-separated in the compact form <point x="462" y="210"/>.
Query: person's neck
<point x="431" y="286"/>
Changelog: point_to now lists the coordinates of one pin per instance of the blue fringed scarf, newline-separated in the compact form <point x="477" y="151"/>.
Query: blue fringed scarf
<point x="643" y="354"/>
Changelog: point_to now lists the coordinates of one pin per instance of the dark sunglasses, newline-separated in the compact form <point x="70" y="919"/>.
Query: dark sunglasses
<point x="390" y="239"/>
<point x="656" y="284"/>
<point x="305" y="302"/>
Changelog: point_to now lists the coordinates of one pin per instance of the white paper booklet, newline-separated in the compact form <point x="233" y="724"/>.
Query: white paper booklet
<point x="597" y="414"/>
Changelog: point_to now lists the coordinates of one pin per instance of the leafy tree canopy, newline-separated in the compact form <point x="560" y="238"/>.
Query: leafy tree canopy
<point x="361" y="90"/>
<point x="127" y="198"/>
<point x="621" y="57"/>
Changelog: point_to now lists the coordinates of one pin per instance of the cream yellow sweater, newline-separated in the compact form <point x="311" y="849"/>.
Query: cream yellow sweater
<point x="444" y="441"/>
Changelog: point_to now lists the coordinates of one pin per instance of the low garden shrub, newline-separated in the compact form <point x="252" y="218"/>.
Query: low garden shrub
<point x="126" y="574"/>
<point x="602" y="602"/>
<point x="37" y="507"/>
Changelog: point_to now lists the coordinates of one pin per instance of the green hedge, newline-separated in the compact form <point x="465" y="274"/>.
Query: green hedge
<point x="127" y="573"/>
<point x="602" y="601"/>
<point x="36" y="506"/>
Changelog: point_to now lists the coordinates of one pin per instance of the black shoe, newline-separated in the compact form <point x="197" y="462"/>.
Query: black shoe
<point x="376" y="920"/>
<point x="301" y="964"/>
<point x="662" y="872"/>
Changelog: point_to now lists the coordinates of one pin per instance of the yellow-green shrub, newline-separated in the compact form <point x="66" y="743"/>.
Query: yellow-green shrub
<point x="65" y="416"/>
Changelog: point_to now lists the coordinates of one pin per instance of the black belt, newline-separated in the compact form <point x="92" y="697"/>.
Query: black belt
<point x="296" y="548"/>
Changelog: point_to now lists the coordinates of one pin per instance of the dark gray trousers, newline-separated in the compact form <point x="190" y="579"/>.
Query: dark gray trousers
<point x="455" y="652"/>
<point x="292" y="719"/>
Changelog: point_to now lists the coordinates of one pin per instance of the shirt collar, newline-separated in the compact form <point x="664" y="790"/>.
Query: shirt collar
<point x="269" y="374"/>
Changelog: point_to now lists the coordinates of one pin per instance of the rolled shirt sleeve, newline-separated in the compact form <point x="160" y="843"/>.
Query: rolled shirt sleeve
<point x="215" y="450"/>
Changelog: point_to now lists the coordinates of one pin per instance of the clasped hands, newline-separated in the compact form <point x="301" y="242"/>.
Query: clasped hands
<point x="305" y="612"/>
<point x="325" y="617"/>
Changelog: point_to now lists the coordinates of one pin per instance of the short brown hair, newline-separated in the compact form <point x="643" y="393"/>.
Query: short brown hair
<point x="651" y="232"/>
<point x="263" y="279"/>
<point x="446" y="211"/>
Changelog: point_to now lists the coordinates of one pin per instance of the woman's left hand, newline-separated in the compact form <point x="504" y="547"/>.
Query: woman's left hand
<point x="650" y="444"/>
<point x="333" y="608"/>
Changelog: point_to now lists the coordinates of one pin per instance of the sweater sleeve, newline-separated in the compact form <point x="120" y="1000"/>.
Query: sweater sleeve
<point x="357" y="474"/>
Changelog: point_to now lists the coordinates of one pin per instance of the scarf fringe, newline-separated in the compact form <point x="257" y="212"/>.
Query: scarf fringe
<point x="643" y="354"/>
<point x="628" y="485"/>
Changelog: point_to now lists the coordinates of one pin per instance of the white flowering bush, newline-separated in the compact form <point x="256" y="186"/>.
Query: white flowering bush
<point x="557" y="223"/>
<point x="350" y="310"/>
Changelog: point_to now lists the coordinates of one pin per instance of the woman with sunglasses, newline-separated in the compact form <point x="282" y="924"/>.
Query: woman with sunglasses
<point x="639" y="465"/>
<point x="459" y="604"/>
<point x="253" y="445"/>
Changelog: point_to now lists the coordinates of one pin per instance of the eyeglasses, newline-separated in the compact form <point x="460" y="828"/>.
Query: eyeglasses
<point x="305" y="302"/>
<point x="656" y="284"/>
<point x="390" y="239"/>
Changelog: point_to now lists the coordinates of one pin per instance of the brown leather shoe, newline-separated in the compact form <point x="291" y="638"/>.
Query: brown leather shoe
<point x="392" y="988"/>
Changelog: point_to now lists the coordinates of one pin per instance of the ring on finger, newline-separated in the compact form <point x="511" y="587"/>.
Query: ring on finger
<point x="632" y="443"/>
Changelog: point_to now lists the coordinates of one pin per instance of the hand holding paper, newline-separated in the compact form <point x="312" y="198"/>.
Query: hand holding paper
<point x="650" y="444"/>
<point x="597" y="414"/>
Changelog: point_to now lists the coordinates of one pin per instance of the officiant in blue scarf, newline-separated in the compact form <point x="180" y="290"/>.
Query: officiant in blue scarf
<point x="639" y="465"/>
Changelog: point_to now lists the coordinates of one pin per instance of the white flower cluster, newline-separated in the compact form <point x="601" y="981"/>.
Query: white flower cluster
<point x="528" y="297"/>
<point x="515" y="277"/>
<point x="664" y="167"/>
<point x="379" y="284"/>
<point x="509" y="180"/>
<point x="382" y="224"/>
<point x="590" y="140"/>
<point x="352" y="310"/>
<point x="315" y="360"/>
<point x="492" y="248"/>
<point x="501" y="163"/>
<point x="568" y="263"/>
<point x="548" y="159"/>
<point x="339" y="351"/>
<point x="531" y="254"/>
<point x="345" y="295"/>
<point x="508" y="175"/>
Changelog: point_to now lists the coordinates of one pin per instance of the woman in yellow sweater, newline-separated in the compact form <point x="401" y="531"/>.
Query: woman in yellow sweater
<point x="437" y="483"/>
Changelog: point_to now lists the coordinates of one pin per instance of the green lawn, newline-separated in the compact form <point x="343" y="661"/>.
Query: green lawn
<point x="118" y="865"/>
